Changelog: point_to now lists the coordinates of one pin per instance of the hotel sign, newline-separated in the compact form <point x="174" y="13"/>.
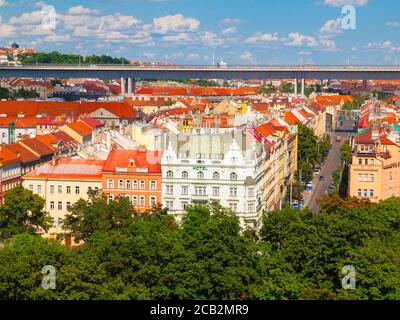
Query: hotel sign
<point x="200" y="168"/>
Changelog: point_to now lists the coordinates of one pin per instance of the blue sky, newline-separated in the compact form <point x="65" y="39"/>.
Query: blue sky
<point x="191" y="31"/>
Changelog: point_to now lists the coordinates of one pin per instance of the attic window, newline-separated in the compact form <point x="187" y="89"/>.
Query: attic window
<point x="131" y="162"/>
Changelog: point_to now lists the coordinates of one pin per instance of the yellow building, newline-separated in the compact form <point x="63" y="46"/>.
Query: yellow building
<point x="62" y="183"/>
<point x="374" y="173"/>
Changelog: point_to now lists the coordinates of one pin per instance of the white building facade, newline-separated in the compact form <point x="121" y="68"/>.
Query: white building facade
<point x="221" y="166"/>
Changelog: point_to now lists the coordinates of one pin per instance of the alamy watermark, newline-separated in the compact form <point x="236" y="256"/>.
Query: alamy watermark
<point x="349" y="280"/>
<point x="49" y="19"/>
<point x="49" y="278"/>
<point x="349" y="19"/>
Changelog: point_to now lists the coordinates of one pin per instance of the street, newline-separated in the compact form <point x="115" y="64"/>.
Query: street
<point x="320" y="188"/>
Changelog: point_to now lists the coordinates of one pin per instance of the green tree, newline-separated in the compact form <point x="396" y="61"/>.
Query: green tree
<point x="22" y="212"/>
<point x="4" y="93"/>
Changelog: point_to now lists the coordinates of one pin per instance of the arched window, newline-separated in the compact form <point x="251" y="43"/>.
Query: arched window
<point x="233" y="176"/>
<point x="216" y="176"/>
<point x="200" y="175"/>
<point x="170" y="174"/>
<point x="185" y="175"/>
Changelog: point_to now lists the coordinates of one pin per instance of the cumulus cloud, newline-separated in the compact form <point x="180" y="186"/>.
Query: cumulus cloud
<point x="230" y="30"/>
<point x="173" y="24"/>
<point x="262" y="37"/>
<point x="180" y="37"/>
<point x="82" y="10"/>
<point x="299" y="40"/>
<point x="3" y="3"/>
<point x="332" y="27"/>
<point x="383" y="45"/>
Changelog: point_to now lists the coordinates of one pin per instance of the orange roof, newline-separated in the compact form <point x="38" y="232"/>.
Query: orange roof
<point x="291" y="119"/>
<point x="7" y="156"/>
<point x="22" y="152"/>
<point x="55" y="108"/>
<point x="39" y="147"/>
<point x="143" y="159"/>
<point x="69" y="169"/>
<point x="334" y="99"/>
<point x="80" y="128"/>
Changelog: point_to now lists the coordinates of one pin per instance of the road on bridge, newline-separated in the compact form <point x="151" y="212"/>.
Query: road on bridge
<point x="332" y="163"/>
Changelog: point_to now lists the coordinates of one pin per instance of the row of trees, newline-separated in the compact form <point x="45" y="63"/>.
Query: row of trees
<point x="60" y="58"/>
<point x="18" y="94"/>
<point x="127" y="255"/>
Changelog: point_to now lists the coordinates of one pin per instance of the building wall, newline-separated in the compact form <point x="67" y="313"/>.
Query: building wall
<point x="43" y="188"/>
<point x="134" y="190"/>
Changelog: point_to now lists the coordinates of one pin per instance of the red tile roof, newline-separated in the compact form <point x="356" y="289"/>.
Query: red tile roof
<point x="143" y="159"/>
<point x="54" y="108"/>
<point x="24" y="154"/>
<point x="7" y="156"/>
<point x="94" y="124"/>
<point x="39" y="147"/>
<point x="80" y="128"/>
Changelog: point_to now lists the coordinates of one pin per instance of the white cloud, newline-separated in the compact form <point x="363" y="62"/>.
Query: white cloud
<point x="173" y="24"/>
<point x="57" y="38"/>
<point x="393" y="24"/>
<point x="193" y="57"/>
<point x="81" y="10"/>
<point x="28" y="18"/>
<point x="3" y="3"/>
<point x="248" y="57"/>
<point x="230" y="30"/>
<point x="180" y="37"/>
<point x="332" y="27"/>
<point x="262" y="37"/>
<point x="300" y="40"/>
<point x="384" y="45"/>
<point x="210" y="39"/>
<point x="40" y="4"/>
<point x="327" y="45"/>
<point x="341" y="3"/>
<point x="6" y="30"/>
<point x="148" y="55"/>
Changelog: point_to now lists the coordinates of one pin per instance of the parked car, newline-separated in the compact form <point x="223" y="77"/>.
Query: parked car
<point x="308" y="186"/>
<point x="321" y="178"/>
<point x="317" y="172"/>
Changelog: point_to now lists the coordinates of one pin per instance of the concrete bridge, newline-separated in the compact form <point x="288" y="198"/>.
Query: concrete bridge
<point x="127" y="73"/>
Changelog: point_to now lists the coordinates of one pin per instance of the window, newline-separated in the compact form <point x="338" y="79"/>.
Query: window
<point x="200" y="175"/>
<point x="134" y="201"/>
<point x="170" y="174"/>
<point x="233" y="206"/>
<point x="153" y="185"/>
<point x="234" y="159"/>
<point x="390" y="176"/>
<point x="169" y="205"/>
<point x="52" y="205"/>
<point x="250" y="207"/>
<point x="51" y="189"/>
<point x="365" y="177"/>
<point x="142" y="185"/>
<point x="233" y="191"/>
<point x="185" y="175"/>
<point x="110" y="197"/>
<point x="68" y="204"/>
<point x="59" y="205"/>
<point x="110" y="184"/>
<point x="170" y="189"/>
<point x="359" y="193"/>
<point x="251" y="192"/>
<point x="215" y="191"/>
<point x="200" y="191"/>
<point x="39" y="188"/>
<point x="233" y="176"/>
<point x="142" y="201"/>
<point x="128" y="184"/>
<point x="185" y="204"/>
<point x="185" y="190"/>
<point x="360" y="177"/>
<point x="135" y="185"/>
<point x="31" y="187"/>
<point x="359" y="161"/>
<point x="371" y="161"/>
<point x="216" y="176"/>
<point x="153" y="201"/>
<point x="68" y="189"/>
<point x="120" y="184"/>
<point x="371" y="193"/>
<point x="371" y="177"/>
<point x="59" y="189"/>
<point x="77" y="190"/>
<point x="365" y="193"/>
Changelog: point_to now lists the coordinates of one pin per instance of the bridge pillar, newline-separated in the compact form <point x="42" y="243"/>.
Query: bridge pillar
<point x="133" y="86"/>
<point x="129" y="86"/>
<point x="302" y="87"/>
<point x="295" y="87"/>
<point x="123" y="87"/>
